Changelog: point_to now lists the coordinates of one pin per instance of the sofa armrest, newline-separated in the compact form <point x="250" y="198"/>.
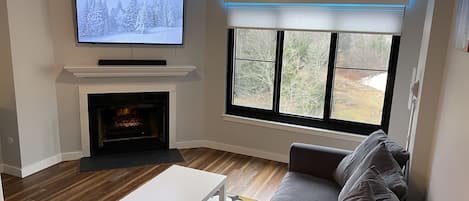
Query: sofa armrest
<point x="315" y="160"/>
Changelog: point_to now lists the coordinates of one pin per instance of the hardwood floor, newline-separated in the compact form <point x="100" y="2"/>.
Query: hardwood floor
<point x="247" y="176"/>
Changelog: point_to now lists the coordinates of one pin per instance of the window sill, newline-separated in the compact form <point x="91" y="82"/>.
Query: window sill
<point x="295" y="128"/>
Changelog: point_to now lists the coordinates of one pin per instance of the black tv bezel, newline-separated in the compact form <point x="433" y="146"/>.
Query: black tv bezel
<point x="77" y="38"/>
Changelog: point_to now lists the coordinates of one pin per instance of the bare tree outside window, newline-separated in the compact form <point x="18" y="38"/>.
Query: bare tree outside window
<point x="254" y="68"/>
<point x="304" y="73"/>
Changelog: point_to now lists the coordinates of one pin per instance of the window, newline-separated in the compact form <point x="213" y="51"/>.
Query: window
<point x="360" y="77"/>
<point x="255" y="68"/>
<point x="304" y="73"/>
<point x="336" y="81"/>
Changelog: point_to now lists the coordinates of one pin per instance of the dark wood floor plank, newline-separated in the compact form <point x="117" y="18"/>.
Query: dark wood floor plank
<point x="247" y="176"/>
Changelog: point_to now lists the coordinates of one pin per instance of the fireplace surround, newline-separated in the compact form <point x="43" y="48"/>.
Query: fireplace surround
<point x="128" y="122"/>
<point x="146" y="111"/>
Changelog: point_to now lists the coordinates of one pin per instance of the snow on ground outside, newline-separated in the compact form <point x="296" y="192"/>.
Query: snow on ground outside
<point x="378" y="81"/>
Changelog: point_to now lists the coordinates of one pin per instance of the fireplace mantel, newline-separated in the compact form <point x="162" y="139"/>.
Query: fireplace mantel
<point x="90" y="71"/>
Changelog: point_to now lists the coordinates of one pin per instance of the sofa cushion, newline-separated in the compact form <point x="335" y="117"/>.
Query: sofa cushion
<point x="369" y="187"/>
<point x="387" y="167"/>
<point x="350" y="163"/>
<point x="301" y="187"/>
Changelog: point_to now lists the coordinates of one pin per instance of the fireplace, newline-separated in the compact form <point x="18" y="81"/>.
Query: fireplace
<point x="128" y="122"/>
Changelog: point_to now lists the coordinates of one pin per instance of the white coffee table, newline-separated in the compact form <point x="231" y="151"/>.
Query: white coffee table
<point x="179" y="183"/>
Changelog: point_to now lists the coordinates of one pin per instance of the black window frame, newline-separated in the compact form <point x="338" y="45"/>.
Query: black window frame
<point x="323" y="123"/>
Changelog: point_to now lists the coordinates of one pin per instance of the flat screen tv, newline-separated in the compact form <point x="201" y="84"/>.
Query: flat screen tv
<point x="159" y="22"/>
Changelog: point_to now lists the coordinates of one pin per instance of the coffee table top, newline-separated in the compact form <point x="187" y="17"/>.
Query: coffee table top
<point x="179" y="183"/>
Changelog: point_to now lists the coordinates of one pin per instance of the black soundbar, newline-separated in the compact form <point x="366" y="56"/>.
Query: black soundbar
<point x="103" y="62"/>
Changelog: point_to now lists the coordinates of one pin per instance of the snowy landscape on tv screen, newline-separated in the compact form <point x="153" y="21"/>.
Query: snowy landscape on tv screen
<point x="130" y="21"/>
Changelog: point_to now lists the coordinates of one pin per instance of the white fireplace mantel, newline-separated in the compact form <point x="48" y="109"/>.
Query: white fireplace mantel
<point x="90" y="71"/>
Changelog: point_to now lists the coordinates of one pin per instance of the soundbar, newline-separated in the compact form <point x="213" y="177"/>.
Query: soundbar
<point x="103" y="62"/>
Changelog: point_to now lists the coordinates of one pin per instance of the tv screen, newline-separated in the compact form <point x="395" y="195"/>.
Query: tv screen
<point x="130" y="21"/>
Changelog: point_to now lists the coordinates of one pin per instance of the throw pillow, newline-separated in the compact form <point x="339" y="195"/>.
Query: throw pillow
<point x="369" y="187"/>
<point x="350" y="163"/>
<point x="383" y="161"/>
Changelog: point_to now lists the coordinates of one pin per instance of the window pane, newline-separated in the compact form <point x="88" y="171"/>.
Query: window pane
<point x="254" y="68"/>
<point x="304" y="73"/>
<point x="252" y="44"/>
<point x="361" y="77"/>
<point x="254" y="84"/>
<point x="359" y="96"/>
<point x="364" y="51"/>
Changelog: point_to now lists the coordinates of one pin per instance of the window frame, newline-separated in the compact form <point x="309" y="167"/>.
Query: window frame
<point x="326" y="122"/>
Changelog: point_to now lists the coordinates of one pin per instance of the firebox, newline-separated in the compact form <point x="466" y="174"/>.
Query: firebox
<point x="128" y="122"/>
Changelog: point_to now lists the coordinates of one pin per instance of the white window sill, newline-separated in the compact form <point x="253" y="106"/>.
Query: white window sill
<point x="295" y="128"/>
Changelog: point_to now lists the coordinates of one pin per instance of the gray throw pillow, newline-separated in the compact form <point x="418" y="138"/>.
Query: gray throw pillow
<point x="387" y="167"/>
<point x="369" y="187"/>
<point x="350" y="163"/>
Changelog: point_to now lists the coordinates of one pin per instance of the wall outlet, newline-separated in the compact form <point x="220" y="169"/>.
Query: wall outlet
<point x="10" y="140"/>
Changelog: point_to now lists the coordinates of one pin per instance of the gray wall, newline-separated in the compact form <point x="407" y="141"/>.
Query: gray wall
<point x="278" y="141"/>
<point x="190" y="90"/>
<point x="8" y="125"/>
<point x="34" y="80"/>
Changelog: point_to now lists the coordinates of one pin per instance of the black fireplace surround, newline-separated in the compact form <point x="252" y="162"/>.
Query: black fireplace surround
<point x="128" y="122"/>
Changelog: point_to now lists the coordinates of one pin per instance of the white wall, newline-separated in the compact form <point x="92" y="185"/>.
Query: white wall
<point x="448" y="178"/>
<point x="432" y="63"/>
<point x="408" y="60"/>
<point x="448" y="174"/>
<point x="190" y="90"/>
<point x="8" y="125"/>
<point x="278" y="141"/>
<point x="34" y="80"/>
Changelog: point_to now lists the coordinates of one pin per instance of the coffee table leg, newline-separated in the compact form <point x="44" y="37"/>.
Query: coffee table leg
<point x="222" y="195"/>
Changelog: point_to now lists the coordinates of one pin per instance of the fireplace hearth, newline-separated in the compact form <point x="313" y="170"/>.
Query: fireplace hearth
<point x="128" y="122"/>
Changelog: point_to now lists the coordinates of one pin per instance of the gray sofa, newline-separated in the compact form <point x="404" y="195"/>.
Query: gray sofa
<point x="310" y="174"/>
<point x="373" y="171"/>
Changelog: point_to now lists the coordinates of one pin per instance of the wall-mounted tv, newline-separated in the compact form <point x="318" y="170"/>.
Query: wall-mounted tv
<point x="158" y="22"/>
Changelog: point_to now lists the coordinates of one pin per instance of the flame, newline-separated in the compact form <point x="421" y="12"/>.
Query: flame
<point x="127" y="117"/>
<point x="125" y="111"/>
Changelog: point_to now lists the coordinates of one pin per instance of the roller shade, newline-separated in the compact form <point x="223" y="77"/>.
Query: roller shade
<point x="402" y="2"/>
<point x="369" y="18"/>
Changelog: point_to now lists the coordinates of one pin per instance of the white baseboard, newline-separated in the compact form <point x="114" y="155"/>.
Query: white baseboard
<point x="233" y="149"/>
<point x="38" y="166"/>
<point x="71" y="156"/>
<point x="191" y="144"/>
<point x="11" y="170"/>
<point x="41" y="165"/>
<point x="48" y="162"/>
